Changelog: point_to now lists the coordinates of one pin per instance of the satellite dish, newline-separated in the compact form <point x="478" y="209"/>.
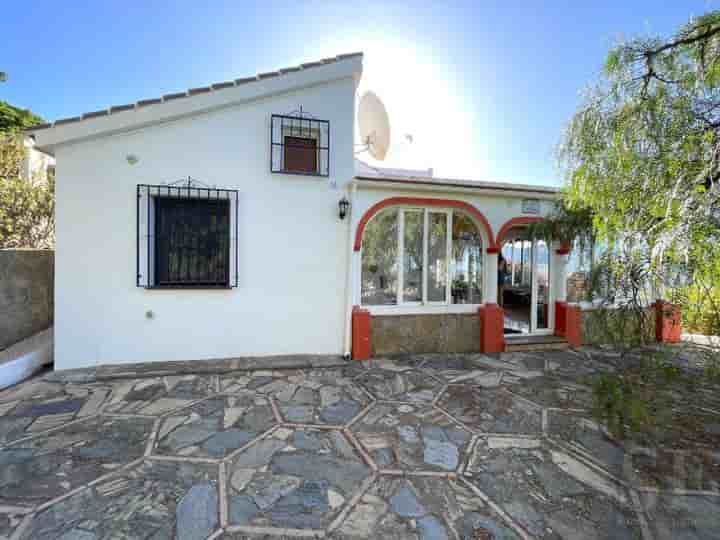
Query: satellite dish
<point x="374" y="125"/>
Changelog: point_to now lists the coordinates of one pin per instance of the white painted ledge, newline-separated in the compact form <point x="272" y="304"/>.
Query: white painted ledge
<point x="21" y="360"/>
<point x="700" y="339"/>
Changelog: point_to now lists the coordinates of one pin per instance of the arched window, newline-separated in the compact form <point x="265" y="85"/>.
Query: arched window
<point x="417" y="256"/>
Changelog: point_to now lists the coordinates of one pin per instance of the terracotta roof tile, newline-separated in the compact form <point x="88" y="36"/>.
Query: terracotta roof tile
<point x="95" y="114"/>
<point x="195" y="91"/>
<point x="119" y="108"/>
<point x="221" y="85"/>
<point x="67" y="120"/>
<point x="245" y="80"/>
<point x="201" y="90"/>
<point x="145" y="102"/>
<point x="177" y="95"/>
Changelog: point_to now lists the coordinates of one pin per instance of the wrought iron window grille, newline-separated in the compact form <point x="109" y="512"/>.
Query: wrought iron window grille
<point x="186" y="236"/>
<point x="299" y="144"/>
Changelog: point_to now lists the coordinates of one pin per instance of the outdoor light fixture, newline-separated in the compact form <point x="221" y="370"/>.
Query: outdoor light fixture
<point x="343" y="206"/>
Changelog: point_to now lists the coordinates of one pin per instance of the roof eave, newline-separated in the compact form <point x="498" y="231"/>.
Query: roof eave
<point x="444" y="184"/>
<point x="196" y="101"/>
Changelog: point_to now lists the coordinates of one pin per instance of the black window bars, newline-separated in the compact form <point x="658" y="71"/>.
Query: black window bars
<point x="186" y="236"/>
<point x="299" y="144"/>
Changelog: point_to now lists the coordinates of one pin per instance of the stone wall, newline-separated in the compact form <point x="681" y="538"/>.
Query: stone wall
<point x="441" y="333"/>
<point x="577" y="287"/>
<point x="26" y="293"/>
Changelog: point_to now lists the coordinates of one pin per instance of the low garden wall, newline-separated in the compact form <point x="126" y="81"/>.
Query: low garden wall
<point x="26" y="293"/>
<point x="603" y="326"/>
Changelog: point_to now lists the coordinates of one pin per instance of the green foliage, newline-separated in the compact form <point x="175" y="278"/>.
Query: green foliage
<point x="567" y="222"/>
<point x="617" y="402"/>
<point x="26" y="205"/>
<point x="642" y="150"/>
<point x="13" y="119"/>
<point x="637" y="400"/>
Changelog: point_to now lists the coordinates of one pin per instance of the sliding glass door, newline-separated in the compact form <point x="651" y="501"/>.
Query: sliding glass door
<point x="540" y="314"/>
<point x="525" y="296"/>
<point x="425" y="254"/>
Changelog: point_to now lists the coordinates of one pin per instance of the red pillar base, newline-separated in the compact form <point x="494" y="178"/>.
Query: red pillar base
<point x="668" y="325"/>
<point x="492" y="328"/>
<point x="560" y="318"/>
<point x="573" y="325"/>
<point x="361" y="344"/>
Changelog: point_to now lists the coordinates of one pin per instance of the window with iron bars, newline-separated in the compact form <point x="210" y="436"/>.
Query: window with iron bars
<point x="186" y="237"/>
<point x="299" y="144"/>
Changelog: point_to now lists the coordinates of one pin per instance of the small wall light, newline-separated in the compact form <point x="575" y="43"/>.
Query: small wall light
<point x="343" y="206"/>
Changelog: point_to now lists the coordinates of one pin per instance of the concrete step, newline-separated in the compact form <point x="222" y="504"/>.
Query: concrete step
<point x="520" y="343"/>
<point x="20" y="361"/>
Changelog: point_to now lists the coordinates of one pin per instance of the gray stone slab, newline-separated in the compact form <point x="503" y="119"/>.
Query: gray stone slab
<point x="412" y="437"/>
<point x="153" y="500"/>
<point x="300" y="478"/>
<point x="197" y="512"/>
<point x="549" y="494"/>
<point x="47" y="466"/>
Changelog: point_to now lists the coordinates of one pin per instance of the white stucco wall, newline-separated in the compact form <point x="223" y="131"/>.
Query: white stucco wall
<point x="292" y="246"/>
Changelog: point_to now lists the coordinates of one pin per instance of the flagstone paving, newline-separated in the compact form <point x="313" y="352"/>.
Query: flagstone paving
<point x="214" y="427"/>
<point x="464" y="447"/>
<point x="37" y="406"/>
<point x="410" y="437"/>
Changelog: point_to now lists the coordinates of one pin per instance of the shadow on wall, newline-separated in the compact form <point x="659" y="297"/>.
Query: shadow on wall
<point x="26" y="293"/>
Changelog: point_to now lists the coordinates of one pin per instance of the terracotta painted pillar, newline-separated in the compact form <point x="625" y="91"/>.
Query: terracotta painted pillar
<point x="361" y="334"/>
<point x="668" y="322"/>
<point x="573" y="325"/>
<point x="560" y="318"/>
<point x="490" y="315"/>
<point x="492" y="328"/>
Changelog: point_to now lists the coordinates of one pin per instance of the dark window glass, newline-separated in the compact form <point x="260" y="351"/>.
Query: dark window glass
<point x="192" y="239"/>
<point x="300" y="154"/>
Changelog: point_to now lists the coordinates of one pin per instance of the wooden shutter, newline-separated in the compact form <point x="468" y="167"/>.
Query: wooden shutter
<point x="300" y="154"/>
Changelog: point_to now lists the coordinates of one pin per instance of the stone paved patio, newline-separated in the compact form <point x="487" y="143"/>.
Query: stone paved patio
<point x="473" y="447"/>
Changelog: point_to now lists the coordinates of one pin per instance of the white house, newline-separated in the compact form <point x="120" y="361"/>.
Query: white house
<point x="207" y="224"/>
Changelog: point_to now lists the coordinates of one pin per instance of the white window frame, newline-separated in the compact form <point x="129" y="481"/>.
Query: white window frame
<point x="424" y="306"/>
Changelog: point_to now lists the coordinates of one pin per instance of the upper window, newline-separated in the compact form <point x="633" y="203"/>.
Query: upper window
<point x="186" y="237"/>
<point x="299" y="145"/>
<point x="415" y="256"/>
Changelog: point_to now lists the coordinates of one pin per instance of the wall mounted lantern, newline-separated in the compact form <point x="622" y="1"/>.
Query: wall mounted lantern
<point x="343" y="206"/>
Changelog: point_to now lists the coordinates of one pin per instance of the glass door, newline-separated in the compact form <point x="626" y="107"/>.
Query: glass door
<point x="524" y="284"/>
<point x="540" y="307"/>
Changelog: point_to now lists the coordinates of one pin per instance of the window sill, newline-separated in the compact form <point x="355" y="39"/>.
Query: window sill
<point x="189" y="287"/>
<point x="428" y="309"/>
<point x="300" y="173"/>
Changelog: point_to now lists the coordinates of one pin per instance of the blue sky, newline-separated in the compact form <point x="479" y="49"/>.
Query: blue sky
<point x="484" y="87"/>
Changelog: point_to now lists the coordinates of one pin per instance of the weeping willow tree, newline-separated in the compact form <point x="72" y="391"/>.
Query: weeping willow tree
<point x="642" y="161"/>
<point x="642" y="153"/>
